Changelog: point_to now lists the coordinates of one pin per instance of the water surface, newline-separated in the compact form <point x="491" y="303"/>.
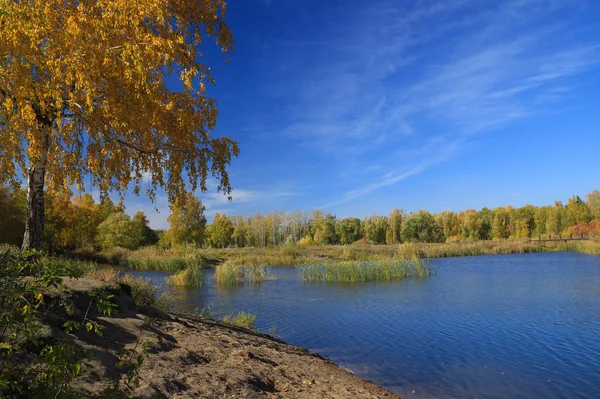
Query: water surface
<point x="518" y="326"/>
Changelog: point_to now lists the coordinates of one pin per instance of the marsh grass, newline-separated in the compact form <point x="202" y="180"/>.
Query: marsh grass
<point x="191" y="276"/>
<point x="363" y="271"/>
<point x="241" y="319"/>
<point x="496" y="247"/>
<point x="590" y="247"/>
<point x="148" y="258"/>
<point x="177" y="259"/>
<point x="231" y="273"/>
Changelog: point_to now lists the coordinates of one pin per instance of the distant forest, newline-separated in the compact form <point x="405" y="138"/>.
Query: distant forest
<point x="75" y="222"/>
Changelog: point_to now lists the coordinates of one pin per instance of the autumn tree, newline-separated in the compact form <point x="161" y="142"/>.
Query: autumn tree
<point x="450" y="224"/>
<point x="470" y="225"/>
<point x="83" y="93"/>
<point x="576" y="211"/>
<point x="555" y="221"/>
<point x="593" y="203"/>
<point x="501" y="223"/>
<point x="392" y="235"/>
<point x="187" y="220"/>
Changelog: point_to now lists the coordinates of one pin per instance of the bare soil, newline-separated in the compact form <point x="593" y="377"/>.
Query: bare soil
<point x="191" y="356"/>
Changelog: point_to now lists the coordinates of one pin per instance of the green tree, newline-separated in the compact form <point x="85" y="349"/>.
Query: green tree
<point x="187" y="221"/>
<point x="487" y="217"/>
<point x="12" y="214"/>
<point x="118" y="230"/>
<point x="576" y="211"/>
<point x="142" y="226"/>
<point x="348" y="230"/>
<point x="421" y="227"/>
<point x="220" y="232"/>
<point x="375" y="229"/>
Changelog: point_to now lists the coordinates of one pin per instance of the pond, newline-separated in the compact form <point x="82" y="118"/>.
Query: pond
<point x="518" y="326"/>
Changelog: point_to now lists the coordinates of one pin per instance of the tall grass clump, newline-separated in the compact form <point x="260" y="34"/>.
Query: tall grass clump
<point x="191" y="276"/>
<point x="363" y="271"/>
<point x="231" y="273"/>
<point x="153" y="258"/>
<point x="242" y="319"/>
<point x="143" y="292"/>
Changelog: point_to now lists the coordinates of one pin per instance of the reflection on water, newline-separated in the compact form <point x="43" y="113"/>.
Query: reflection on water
<point x="518" y="326"/>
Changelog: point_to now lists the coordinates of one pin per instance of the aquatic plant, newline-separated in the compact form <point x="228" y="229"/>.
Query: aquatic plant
<point x="495" y="247"/>
<point x="242" y="319"/>
<point x="363" y="271"/>
<point x="231" y="273"/>
<point x="191" y="276"/>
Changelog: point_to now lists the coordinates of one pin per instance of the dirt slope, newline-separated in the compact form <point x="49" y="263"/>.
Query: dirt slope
<point x="195" y="357"/>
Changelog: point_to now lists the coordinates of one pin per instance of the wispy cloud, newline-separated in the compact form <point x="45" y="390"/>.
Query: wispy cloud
<point x="395" y="78"/>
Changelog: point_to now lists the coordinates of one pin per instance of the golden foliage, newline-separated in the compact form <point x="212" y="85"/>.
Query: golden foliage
<point x="87" y="79"/>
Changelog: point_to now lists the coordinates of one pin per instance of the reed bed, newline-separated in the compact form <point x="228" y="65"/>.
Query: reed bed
<point x="242" y="319"/>
<point x="499" y="247"/>
<point x="590" y="247"/>
<point x="177" y="259"/>
<point x="191" y="276"/>
<point x="152" y="258"/>
<point x="231" y="273"/>
<point x="363" y="271"/>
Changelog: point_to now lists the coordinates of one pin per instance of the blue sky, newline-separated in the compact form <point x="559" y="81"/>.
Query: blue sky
<point x="358" y="107"/>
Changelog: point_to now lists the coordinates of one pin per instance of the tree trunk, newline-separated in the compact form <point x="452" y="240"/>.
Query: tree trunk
<point x="34" y="225"/>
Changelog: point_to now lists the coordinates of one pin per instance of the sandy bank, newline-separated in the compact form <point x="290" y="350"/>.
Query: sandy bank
<point x="195" y="357"/>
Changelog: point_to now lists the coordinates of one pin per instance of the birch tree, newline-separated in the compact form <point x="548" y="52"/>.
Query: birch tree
<point x="83" y="93"/>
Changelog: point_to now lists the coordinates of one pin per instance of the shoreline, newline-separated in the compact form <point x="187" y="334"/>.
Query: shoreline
<point x="176" y="259"/>
<point x="194" y="356"/>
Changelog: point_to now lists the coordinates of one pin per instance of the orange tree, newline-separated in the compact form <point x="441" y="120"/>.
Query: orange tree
<point x="83" y="93"/>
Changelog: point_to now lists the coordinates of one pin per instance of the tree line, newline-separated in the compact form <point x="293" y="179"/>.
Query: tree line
<point x="74" y="222"/>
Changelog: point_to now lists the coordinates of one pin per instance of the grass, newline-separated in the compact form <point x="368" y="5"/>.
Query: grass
<point x="147" y="258"/>
<point x="144" y="293"/>
<point x="496" y="247"/>
<point x="590" y="247"/>
<point x="191" y="276"/>
<point x="178" y="259"/>
<point x="363" y="271"/>
<point x="231" y="273"/>
<point x="242" y="319"/>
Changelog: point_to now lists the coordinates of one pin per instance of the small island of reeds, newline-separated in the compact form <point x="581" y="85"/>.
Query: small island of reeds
<point x="363" y="271"/>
